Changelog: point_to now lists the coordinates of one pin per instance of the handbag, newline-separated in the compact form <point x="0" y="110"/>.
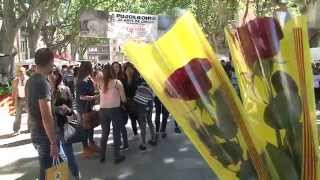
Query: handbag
<point x="73" y="132"/>
<point x="90" y="120"/>
<point x="59" y="171"/>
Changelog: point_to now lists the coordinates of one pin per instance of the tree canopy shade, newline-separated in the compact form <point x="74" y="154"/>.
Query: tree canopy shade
<point x="58" y="20"/>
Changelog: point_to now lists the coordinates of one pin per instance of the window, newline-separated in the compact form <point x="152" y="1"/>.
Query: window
<point x="24" y="46"/>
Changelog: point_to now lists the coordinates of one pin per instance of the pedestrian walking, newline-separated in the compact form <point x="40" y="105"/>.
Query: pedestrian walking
<point x="130" y="84"/>
<point x="42" y="126"/>
<point x="85" y="99"/>
<point x="111" y="96"/>
<point x="18" y="94"/>
<point x="117" y="73"/>
<point x="144" y="104"/>
<point x="62" y="102"/>
<point x="161" y="127"/>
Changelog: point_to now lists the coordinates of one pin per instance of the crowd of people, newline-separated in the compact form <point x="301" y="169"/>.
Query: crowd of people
<point x="316" y="77"/>
<point x="57" y="98"/>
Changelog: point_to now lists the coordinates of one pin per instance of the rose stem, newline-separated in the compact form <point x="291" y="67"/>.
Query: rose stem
<point x="238" y="141"/>
<point x="279" y="141"/>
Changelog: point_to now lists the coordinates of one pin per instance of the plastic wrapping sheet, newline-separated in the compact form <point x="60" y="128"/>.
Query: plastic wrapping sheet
<point x="273" y="67"/>
<point x="186" y="75"/>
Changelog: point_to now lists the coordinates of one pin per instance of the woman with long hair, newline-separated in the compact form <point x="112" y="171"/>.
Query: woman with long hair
<point x="62" y="103"/>
<point x="130" y="84"/>
<point x="117" y="71"/>
<point x="111" y="96"/>
<point x="85" y="97"/>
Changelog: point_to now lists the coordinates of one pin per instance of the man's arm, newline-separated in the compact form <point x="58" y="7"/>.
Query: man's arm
<point x="47" y="120"/>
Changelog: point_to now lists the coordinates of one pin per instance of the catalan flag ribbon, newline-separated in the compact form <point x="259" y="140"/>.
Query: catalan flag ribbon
<point x="186" y="75"/>
<point x="273" y="67"/>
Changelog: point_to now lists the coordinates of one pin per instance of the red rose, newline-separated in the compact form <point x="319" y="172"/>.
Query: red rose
<point x="189" y="82"/>
<point x="260" y="39"/>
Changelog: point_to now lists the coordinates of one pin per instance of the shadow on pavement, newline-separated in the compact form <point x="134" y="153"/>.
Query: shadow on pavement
<point x="16" y="143"/>
<point x="26" y="166"/>
<point x="174" y="158"/>
<point x="7" y="136"/>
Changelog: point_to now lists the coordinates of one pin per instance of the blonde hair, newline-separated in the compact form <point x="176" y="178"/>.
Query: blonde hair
<point x="20" y="69"/>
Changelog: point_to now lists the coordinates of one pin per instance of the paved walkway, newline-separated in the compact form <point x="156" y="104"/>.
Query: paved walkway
<point x="173" y="159"/>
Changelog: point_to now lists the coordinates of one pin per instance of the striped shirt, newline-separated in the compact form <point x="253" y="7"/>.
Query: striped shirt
<point x="144" y="95"/>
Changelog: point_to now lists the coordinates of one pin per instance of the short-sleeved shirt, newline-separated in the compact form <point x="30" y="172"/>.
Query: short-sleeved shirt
<point x="85" y="88"/>
<point x="144" y="96"/>
<point x="37" y="87"/>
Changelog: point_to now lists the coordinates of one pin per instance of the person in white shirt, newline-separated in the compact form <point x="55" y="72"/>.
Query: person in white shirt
<point x="18" y="94"/>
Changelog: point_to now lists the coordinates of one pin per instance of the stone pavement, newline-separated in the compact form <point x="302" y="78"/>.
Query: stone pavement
<point x="174" y="158"/>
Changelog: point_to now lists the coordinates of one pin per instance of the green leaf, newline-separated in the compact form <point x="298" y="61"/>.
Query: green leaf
<point x="247" y="171"/>
<point x="225" y="120"/>
<point x="263" y="67"/>
<point x="282" y="81"/>
<point x="200" y="105"/>
<point x="233" y="150"/>
<point x="282" y="163"/>
<point x="216" y="131"/>
<point x="226" y="153"/>
<point x="207" y="139"/>
<point x="219" y="133"/>
<point x="294" y="143"/>
<point x="283" y="111"/>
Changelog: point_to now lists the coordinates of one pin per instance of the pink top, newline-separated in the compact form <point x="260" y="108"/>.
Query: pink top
<point x="111" y="97"/>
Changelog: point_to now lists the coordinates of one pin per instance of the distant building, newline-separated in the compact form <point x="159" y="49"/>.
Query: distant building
<point x="99" y="53"/>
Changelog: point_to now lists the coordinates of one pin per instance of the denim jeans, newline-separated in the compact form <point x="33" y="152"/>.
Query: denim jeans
<point x="72" y="163"/>
<point x="161" y="109"/>
<point x="45" y="160"/>
<point x="144" y="117"/>
<point x="108" y="115"/>
<point x="90" y="138"/>
<point x="132" y="114"/>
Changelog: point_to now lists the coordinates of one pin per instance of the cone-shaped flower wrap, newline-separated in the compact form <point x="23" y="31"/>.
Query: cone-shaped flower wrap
<point x="185" y="74"/>
<point x="273" y="67"/>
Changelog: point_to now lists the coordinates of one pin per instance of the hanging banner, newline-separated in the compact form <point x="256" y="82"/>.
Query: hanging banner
<point x="93" y="23"/>
<point x="140" y="27"/>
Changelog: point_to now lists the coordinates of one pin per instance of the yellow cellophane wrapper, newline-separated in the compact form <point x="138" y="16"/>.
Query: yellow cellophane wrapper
<point x="280" y="97"/>
<point x="185" y="46"/>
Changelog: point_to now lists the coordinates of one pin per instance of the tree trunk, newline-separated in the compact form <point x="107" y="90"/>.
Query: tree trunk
<point x="34" y="30"/>
<point x="33" y="42"/>
<point x="10" y="25"/>
<point x="74" y="50"/>
<point x="7" y="38"/>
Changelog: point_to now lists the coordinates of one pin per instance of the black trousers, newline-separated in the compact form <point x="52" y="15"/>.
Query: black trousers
<point x="132" y="113"/>
<point x="114" y="116"/>
<point x="317" y="95"/>
<point x="161" y="109"/>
